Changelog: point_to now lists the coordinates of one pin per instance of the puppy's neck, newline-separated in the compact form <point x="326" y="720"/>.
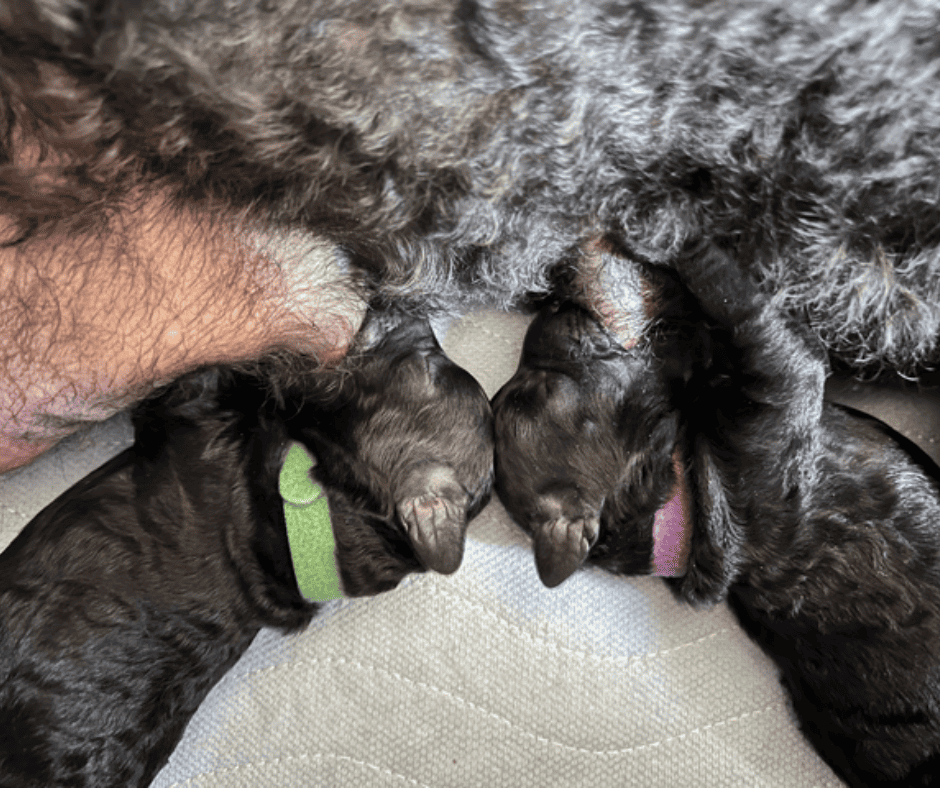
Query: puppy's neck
<point x="309" y="531"/>
<point x="672" y="528"/>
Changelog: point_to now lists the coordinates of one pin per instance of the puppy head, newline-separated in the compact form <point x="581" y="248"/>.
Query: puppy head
<point x="423" y="431"/>
<point x="585" y="438"/>
<point x="239" y="425"/>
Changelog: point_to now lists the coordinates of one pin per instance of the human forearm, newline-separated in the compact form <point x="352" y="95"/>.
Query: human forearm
<point x="90" y="323"/>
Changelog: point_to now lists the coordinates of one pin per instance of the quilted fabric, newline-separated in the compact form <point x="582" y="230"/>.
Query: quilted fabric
<point x="482" y="678"/>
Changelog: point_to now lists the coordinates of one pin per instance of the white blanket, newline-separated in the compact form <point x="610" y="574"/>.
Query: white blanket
<point x="483" y="678"/>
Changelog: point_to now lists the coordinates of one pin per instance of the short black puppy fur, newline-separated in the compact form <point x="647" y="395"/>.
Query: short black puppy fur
<point x="584" y="435"/>
<point x="126" y="599"/>
<point x="826" y="546"/>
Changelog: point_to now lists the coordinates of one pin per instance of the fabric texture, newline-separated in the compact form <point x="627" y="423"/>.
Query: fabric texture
<point x="482" y="678"/>
<point x="307" y="516"/>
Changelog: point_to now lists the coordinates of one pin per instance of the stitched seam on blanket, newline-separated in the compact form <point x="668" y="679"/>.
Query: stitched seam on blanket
<point x="539" y="739"/>
<point x="425" y="583"/>
<point x="456" y="699"/>
<point x="319" y="756"/>
<point x="570" y="651"/>
<point x="519" y="631"/>
<point x="233" y="677"/>
<point x="704" y="729"/>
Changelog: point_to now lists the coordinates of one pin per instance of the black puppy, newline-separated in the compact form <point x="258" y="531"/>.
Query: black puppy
<point x="125" y="600"/>
<point x="584" y="437"/>
<point x="827" y="547"/>
<point x="406" y="445"/>
<point x="587" y="427"/>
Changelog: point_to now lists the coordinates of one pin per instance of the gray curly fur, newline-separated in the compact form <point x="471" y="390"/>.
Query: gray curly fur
<point x="460" y="150"/>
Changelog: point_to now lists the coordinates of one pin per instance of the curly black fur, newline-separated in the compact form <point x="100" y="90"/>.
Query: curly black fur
<point x="816" y="523"/>
<point x="462" y="148"/>
<point x="125" y="600"/>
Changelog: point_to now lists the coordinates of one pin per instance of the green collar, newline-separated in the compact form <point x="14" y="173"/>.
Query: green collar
<point x="308" y="529"/>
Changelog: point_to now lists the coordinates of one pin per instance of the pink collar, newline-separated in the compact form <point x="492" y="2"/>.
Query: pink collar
<point x="672" y="529"/>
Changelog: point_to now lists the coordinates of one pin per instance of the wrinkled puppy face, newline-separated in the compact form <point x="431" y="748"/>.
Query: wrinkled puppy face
<point x="425" y="425"/>
<point x="584" y="445"/>
<point x="405" y="454"/>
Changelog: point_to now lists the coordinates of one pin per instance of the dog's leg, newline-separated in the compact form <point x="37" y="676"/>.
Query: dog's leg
<point x="824" y="533"/>
<point x="753" y="420"/>
<point x="779" y="368"/>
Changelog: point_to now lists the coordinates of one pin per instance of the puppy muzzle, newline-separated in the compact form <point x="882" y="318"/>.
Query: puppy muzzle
<point x="561" y="545"/>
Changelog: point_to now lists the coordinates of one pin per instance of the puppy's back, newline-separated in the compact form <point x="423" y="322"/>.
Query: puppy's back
<point x="126" y="599"/>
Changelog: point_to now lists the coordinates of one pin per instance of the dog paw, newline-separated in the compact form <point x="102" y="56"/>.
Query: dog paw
<point x="435" y="518"/>
<point x="561" y="545"/>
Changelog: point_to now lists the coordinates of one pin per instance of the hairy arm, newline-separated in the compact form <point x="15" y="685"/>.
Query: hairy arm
<point x="91" y="322"/>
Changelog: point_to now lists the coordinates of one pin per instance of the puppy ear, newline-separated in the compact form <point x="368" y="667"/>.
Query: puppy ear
<point x="717" y="537"/>
<point x="561" y="545"/>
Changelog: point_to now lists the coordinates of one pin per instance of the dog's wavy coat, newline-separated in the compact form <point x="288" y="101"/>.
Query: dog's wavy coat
<point x="125" y="600"/>
<point x="461" y="149"/>
<point x="816" y="523"/>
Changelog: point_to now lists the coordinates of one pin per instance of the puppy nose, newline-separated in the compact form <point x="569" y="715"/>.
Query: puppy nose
<point x="561" y="545"/>
<point x="433" y="509"/>
<point x="435" y="527"/>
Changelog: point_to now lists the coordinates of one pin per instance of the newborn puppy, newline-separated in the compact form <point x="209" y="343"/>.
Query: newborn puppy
<point x="827" y="549"/>
<point x="586" y="430"/>
<point x="125" y="600"/>
<point x="407" y="442"/>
